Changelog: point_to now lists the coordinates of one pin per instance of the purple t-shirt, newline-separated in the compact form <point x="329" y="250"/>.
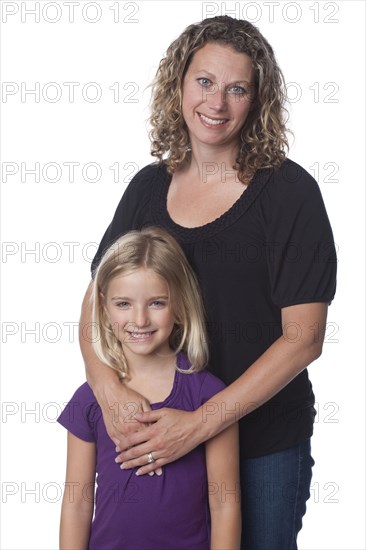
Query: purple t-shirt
<point x="168" y="512"/>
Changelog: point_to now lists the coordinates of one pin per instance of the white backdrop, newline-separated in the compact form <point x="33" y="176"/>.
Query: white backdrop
<point x="74" y="106"/>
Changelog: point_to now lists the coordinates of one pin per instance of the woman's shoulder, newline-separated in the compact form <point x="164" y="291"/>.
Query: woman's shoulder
<point x="292" y="176"/>
<point x="148" y="174"/>
<point x="138" y="192"/>
<point x="289" y="186"/>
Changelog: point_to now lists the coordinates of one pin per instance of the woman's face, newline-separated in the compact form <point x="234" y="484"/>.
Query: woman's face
<point x="217" y="95"/>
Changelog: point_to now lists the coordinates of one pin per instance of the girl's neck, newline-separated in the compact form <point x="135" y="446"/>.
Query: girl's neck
<point x="152" y="377"/>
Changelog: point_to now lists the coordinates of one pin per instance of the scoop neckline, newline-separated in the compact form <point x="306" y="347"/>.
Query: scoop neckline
<point x="161" y="215"/>
<point x="169" y="400"/>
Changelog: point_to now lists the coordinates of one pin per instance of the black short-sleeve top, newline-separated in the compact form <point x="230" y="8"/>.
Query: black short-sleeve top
<point x="273" y="248"/>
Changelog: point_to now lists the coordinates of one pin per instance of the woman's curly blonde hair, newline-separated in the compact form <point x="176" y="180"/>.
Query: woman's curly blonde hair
<point x="263" y="140"/>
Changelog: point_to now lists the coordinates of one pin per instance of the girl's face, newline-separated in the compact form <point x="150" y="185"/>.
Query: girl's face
<point x="140" y="313"/>
<point x="217" y="95"/>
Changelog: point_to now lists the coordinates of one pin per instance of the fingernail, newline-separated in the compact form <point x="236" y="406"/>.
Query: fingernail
<point x="138" y="473"/>
<point x="118" y="459"/>
<point x="151" y="473"/>
<point x="159" y="472"/>
<point x="123" y="467"/>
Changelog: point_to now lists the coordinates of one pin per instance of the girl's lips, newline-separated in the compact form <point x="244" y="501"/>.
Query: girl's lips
<point x="140" y="336"/>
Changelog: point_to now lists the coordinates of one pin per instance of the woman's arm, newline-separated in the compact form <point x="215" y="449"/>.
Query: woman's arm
<point x="174" y="433"/>
<point x="78" y="500"/>
<point x="222" y="459"/>
<point x="118" y="403"/>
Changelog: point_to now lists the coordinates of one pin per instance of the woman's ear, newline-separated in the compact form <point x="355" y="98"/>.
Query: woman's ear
<point x="253" y="105"/>
<point x="253" y="96"/>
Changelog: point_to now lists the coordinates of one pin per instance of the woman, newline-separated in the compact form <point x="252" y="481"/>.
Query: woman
<point x="254" y="228"/>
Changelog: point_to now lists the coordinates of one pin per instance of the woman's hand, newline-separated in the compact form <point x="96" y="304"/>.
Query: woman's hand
<point x="172" y="433"/>
<point x="119" y="406"/>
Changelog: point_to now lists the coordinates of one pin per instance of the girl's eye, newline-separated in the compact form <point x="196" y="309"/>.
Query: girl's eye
<point x="122" y="305"/>
<point x="158" y="303"/>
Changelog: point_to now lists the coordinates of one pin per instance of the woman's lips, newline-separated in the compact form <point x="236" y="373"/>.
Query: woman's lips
<point x="211" y="122"/>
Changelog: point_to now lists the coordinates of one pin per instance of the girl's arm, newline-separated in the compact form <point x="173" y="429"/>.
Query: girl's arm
<point x="78" y="500"/>
<point x="174" y="433"/>
<point x="222" y="459"/>
<point x="117" y="401"/>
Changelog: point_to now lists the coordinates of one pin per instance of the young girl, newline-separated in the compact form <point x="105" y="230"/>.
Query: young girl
<point x="149" y="326"/>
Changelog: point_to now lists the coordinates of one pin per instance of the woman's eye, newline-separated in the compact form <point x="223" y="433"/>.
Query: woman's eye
<point x="237" y="90"/>
<point x="205" y="82"/>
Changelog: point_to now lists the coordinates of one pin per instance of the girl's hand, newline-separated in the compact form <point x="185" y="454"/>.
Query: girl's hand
<point x="172" y="433"/>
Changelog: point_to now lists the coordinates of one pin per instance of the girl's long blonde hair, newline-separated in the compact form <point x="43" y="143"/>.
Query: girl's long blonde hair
<point x="154" y="249"/>
<point x="263" y="140"/>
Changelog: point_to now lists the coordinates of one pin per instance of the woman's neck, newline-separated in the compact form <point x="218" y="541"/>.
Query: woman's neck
<point x="210" y="164"/>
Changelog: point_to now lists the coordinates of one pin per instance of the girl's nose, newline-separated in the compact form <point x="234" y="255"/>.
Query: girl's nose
<point x="141" y="317"/>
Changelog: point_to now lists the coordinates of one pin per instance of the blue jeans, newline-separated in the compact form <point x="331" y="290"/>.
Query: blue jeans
<point x="275" y="489"/>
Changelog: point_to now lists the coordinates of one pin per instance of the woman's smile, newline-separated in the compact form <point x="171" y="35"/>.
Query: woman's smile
<point x="211" y="122"/>
<point x="216" y="99"/>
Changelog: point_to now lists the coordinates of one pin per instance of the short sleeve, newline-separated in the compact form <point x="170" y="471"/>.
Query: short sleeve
<point x="211" y="385"/>
<point x="81" y="414"/>
<point x="135" y="199"/>
<point x="301" y="254"/>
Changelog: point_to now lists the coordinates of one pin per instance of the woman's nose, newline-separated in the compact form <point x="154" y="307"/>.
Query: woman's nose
<point x="215" y="98"/>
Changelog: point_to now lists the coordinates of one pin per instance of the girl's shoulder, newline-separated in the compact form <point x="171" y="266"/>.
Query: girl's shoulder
<point x="81" y="414"/>
<point x="202" y="383"/>
<point x="84" y="394"/>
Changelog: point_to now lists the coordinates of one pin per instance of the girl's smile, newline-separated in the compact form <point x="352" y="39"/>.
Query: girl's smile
<point x="139" y="309"/>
